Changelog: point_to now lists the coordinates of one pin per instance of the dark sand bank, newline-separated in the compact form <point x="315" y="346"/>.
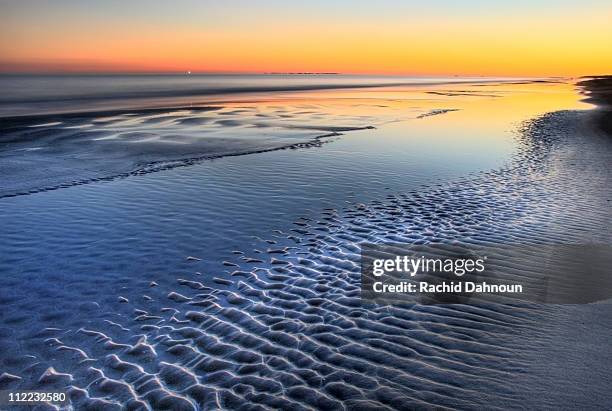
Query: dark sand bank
<point x="598" y="91"/>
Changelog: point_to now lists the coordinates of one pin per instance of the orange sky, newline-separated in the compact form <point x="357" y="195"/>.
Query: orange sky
<point x="552" y="38"/>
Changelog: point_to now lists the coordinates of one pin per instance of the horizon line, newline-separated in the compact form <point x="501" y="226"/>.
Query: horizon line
<point x="276" y="73"/>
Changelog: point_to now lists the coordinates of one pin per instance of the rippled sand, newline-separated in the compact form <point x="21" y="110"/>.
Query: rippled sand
<point x="284" y="327"/>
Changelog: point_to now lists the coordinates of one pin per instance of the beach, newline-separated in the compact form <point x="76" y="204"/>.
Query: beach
<point x="203" y="252"/>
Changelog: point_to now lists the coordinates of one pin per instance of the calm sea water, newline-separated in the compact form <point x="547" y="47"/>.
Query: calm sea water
<point x="34" y="94"/>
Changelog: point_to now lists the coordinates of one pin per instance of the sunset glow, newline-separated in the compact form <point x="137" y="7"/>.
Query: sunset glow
<point x="514" y="39"/>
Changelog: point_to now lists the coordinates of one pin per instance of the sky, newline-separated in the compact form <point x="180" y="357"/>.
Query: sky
<point x="434" y="37"/>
